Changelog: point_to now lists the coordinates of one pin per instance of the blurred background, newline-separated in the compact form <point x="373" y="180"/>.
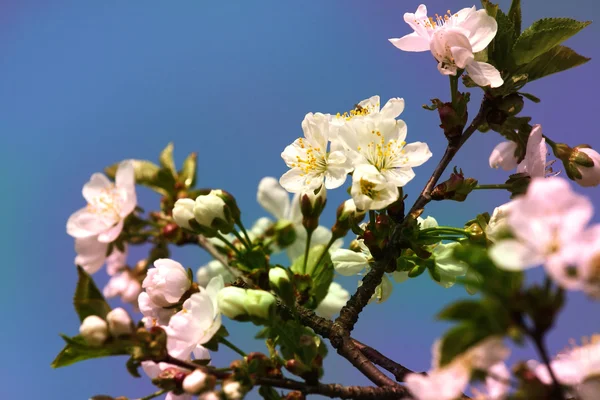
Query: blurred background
<point x="87" y="84"/>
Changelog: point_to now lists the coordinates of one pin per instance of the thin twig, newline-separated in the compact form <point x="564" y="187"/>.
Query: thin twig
<point x="451" y="150"/>
<point x="336" y="390"/>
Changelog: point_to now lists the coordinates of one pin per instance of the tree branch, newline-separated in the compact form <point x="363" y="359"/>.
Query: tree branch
<point x="336" y="390"/>
<point x="398" y="370"/>
<point x="451" y="150"/>
<point x="349" y="313"/>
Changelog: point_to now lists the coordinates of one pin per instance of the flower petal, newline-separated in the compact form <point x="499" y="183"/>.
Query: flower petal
<point x="394" y="107"/>
<point x="512" y="255"/>
<point x="112" y="233"/>
<point x="482" y="29"/>
<point x="411" y="42"/>
<point x="97" y="184"/>
<point x="91" y="254"/>
<point x="273" y="198"/>
<point x="416" y="154"/>
<point x="83" y="223"/>
<point x="484" y="74"/>
<point x="293" y="180"/>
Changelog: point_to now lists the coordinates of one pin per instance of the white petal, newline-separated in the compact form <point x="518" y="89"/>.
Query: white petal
<point x="95" y="187"/>
<point x="503" y="156"/>
<point x="399" y="176"/>
<point x="462" y="56"/>
<point x="293" y="180"/>
<point x="348" y="262"/>
<point x="83" y="223"/>
<point x="484" y="74"/>
<point x="482" y="29"/>
<point x="512" y="255"/>
<point x="91" y="254"/>
<point x="534" y="163"/>
<point x="416" y="154"/>
<point x="394" y="107"/>
<point x="125" y="177"/>
<point x="411" y="42"/>
<point x="112" y="233"/>
<point x="273" y="198"/>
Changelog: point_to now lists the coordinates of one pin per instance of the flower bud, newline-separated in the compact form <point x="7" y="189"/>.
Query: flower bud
<point x="281" y="285"/>
<point x="231" y="301"/>
<point x="94" y="330"/>
<point x="346" y="216"/>
<point x="453" y="117"/>
<point x="195" y="382"/>
<point x="209" y="396"/>
<point x="587" y="161"/>
<point x="285" y="233"/>
<point x="119" y="322"/>
<point x="213" y="214"/>
<point x="503" y="156"/>
<point x="232" y="390"/>
<point x="455" y="188"/>
<point x="278" y="276"/>
<point x="311" y="206"/>
<point x="166" y="283"/>
<point x="259" y="303"/>
<point x="312" y="202"/>
<point x="183" y="212"/>
<point x="229" y="200"/>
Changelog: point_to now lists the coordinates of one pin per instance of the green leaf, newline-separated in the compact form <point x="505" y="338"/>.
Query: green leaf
<point x="461" y="310"/>
<point x="503" y="41"/>
<point x="514" y="13"/>
<point x="187" y="175"/>
<point x="459" y="339"/>
<point x="490" y="8"/>
<point x="147" y="174"/>
<point x="133" y="366"/>
<point x="166" y="160"/>
<point x="530" y="97"/>
<point x="78" y="350"/>
<point x="268" y="393"/>
<point x="543" y="35"/>
<point x="321" y="275"/>
<point x="88" y="300"/>
<point x="558" y="59"/>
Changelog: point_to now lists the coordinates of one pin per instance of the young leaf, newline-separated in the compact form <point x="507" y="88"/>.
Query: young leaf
<point x="557" y="59"/>
<point x="78" y="350"/>
<point x="187" y="175"/>
<point x="503" y="41"/>
<point x="514" y="14"/>
<point x="146" y="174"/>
<point x="542" y="36"/>
<point x="166" y="160"/>
<point x="462" y="310"/>
<point x="88" y="300"/>
<point x="530" y="97"/>
<point x="268" y="393"/>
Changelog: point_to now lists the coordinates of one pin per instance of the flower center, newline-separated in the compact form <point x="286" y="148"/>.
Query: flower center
<point x="437" y="22"/>
<point x="383" y="155"/>
<point x="107" y="203"/>
<point x="358" y="111"/>
<point x="314" y="159"/>
<point x="367" y="188"/>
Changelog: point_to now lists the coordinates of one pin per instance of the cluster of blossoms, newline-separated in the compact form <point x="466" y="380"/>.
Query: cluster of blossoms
<point x="368" y="142"/>
<point x="546" y="223"/>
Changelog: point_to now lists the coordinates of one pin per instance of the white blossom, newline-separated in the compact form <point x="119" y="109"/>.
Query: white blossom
<point x="310" y="160"/>
<point x="370" y="190"/>
<point x="503" y="156"/>
<point x="154" y="315"/>
<point x="197" y="322"/>
<point x="380" y="142"/>
<point x="543" y="221"/>
<point x="91" y="255"/>
<point x="446" y="265"/>
<point x="453" y="39"/>
<point x="370" y="107"/>
<point x="232" y="390"/>
<point x="235" y="302"/>
<point x="166" y="283"/>
<point x="125" y="285"/>
<point x="108" y="205"/>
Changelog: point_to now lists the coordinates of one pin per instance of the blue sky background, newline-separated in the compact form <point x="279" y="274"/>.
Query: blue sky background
<point x="86" y="84"/>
